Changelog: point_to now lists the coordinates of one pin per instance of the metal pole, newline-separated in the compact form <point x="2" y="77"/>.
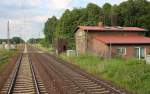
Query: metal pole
<point x="110" y="50"/>
<point x="87" y="42"/>
<point x="8" y="35"/>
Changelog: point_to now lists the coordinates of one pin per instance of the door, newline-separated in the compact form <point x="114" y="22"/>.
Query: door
<point x="137" y="51"/>
<point x="140" y="52"/>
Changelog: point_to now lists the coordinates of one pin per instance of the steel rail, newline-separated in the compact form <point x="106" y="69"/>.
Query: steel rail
<point x="57" y="72"/>
<point x="14" y="77"/>
<point x="95" y="79"/>
<point x="34" y="76"/>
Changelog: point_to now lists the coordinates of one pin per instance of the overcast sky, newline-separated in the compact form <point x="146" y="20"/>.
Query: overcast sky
<point x="27" y="17"/>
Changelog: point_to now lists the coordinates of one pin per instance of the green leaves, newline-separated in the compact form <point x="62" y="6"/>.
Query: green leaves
<point x="128" y="13"/>
<point x="132" y="11"/>
<point x="50" y="28"/>
<point x="71" y="19"/>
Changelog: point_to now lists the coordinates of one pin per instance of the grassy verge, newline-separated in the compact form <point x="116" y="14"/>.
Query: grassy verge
<point x="134" y="75"/>
<point x="8" y="54"/>
<point x="2" y="64"/>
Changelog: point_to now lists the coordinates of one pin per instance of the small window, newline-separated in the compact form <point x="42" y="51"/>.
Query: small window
<point x="121" y="51"/>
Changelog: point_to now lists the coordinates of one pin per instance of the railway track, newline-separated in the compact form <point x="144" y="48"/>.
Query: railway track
<point x="23" y="79"/>
<point x="69" y="79"/>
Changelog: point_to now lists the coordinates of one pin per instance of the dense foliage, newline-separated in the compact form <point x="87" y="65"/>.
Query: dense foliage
<point x="33" y="40"/>
<point x="17" y="40"/>
<point x="50" y="28"/>
<point x="128" y="13"/>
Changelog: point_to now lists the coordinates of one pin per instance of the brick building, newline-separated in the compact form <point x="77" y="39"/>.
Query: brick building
<point x="128" y="42"/>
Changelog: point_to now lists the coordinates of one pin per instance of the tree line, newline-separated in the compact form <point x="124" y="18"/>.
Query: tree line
<point x="14" y="40"/>
<point x="34" y="40"/>
<point x="128" y="13"/>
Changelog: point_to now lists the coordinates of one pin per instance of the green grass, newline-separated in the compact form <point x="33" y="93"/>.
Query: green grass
<point x="2" y="64"/>
<point x="8" y="54"/>
<point x="134" y="75"/>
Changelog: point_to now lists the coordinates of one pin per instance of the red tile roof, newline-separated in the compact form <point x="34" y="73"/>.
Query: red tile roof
<point x="124" y="39"/>
<point x="98" y="28"/>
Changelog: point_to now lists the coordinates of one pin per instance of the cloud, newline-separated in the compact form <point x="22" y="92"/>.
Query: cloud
<point x="20" y="4"/>
<point x="40" y="19"/>
<point x="60" y="4"/>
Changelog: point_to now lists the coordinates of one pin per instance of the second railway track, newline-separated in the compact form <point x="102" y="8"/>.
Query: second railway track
<point x="66" y="78"/>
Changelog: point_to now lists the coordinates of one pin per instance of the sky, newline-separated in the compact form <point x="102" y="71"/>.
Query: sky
<point x="27" y="17"/>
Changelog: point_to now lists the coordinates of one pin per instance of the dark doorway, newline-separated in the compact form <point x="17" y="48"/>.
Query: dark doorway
<point x="64" y="48"/>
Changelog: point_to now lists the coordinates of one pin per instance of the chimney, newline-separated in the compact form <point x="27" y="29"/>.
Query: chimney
<point x="100" y="24"/>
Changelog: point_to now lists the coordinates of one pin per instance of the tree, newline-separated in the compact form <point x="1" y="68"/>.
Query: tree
<point x="107" y="13"/>
<point x="50" y="28"/>
<point x="71" y="19"/>
<point x="16" y="40"/>
<point x="132" y="10"/>
<point x="34" y="40"/>
<point x="93" y="12"/>
<point x="66" y="25"/>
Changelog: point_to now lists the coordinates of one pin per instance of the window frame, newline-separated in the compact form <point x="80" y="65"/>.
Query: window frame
<point x="139" y="50"/>
<point x="124" y="50"/>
